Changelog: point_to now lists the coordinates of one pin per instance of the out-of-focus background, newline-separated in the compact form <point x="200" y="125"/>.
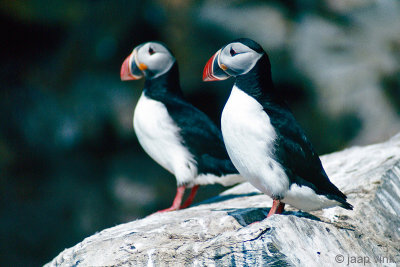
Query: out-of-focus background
<point x="70" y="164"/>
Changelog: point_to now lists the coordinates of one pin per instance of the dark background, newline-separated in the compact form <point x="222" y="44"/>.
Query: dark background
<point x="70" y="164"/>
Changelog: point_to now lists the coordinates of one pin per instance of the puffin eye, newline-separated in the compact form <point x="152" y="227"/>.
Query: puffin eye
<point x="151" y="51"/>
<point x="233" y="52"/>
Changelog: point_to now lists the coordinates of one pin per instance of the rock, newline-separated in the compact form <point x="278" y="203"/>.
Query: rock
<point x="348" y="65"/>
<point x="219" y="232"/>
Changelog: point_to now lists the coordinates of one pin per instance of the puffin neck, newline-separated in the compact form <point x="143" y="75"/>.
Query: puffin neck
<point x="258" y="81"/>
<point x="168" y="83"/>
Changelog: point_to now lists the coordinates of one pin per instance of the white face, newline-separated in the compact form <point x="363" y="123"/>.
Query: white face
<point x="237" y="59"/>
<point x="153" y="59"/>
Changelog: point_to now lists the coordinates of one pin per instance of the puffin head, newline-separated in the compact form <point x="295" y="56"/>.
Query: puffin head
<point x="151" y="59"/>
<point x="234" y="59"/>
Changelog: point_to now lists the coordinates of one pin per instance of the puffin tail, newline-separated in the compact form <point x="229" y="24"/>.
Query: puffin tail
<point x="342" y="199"/>
<point x="346" y="205"/>
<point x="218" y="171"/>
<point x="225" y="180"/>
<point x="338" y="195"/>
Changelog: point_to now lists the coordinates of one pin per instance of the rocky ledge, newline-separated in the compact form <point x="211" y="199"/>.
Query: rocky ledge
<point x="219" y="232"/>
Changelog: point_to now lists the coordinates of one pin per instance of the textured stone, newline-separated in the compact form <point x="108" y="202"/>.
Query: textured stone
<point x="219" y="232"/>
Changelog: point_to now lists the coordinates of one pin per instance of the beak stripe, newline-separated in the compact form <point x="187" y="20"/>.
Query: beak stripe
<point x="213" y="71"/>
<point x="142" y="67"/>
<point x="126" y="69"/>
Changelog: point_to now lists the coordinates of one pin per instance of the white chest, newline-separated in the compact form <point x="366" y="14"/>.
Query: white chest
<point x="159" y="136"/>
<point x="249" y="137"/>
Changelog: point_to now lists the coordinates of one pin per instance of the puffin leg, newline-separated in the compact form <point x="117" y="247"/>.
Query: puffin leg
<point x="280" y="208"/>
<point x="277" y="208"/>
<point x="180" y="191"/>
<point x="190" y="198"/>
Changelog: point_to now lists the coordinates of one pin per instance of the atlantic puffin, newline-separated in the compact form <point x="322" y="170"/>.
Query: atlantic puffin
<point x="263" y="139"/>
<point x="174" y="133"/>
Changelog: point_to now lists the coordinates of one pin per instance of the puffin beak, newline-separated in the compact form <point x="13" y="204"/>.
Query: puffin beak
<point x="213" y="71"/>
<point x="129" y="69"/>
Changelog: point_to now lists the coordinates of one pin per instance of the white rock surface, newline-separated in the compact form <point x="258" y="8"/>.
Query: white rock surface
<point x="219" y="232"/>
<point x="348" y="63"/>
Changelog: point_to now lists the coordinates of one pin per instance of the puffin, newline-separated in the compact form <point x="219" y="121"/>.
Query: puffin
<point x="263" y="139"/>
<point x="174" y="133"/>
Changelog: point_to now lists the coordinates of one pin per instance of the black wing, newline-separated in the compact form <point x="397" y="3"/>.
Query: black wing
<point x="201" y="136"/>
<point x="295" y="153"/>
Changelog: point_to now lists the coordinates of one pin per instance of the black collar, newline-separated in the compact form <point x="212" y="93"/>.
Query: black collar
<point x="166" y="84"/>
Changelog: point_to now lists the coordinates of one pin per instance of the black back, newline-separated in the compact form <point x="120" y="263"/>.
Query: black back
<point x="199" y="134"/>
<point x="291" y="148"/>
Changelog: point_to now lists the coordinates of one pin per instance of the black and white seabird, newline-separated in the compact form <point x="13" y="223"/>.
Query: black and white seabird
<point x="263" y="139"/>
<point x="178" y="136"/>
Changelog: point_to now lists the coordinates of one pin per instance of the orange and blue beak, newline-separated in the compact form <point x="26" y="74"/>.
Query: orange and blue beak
<point x="130" y="70"/>
<point x="214" y="71"/>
